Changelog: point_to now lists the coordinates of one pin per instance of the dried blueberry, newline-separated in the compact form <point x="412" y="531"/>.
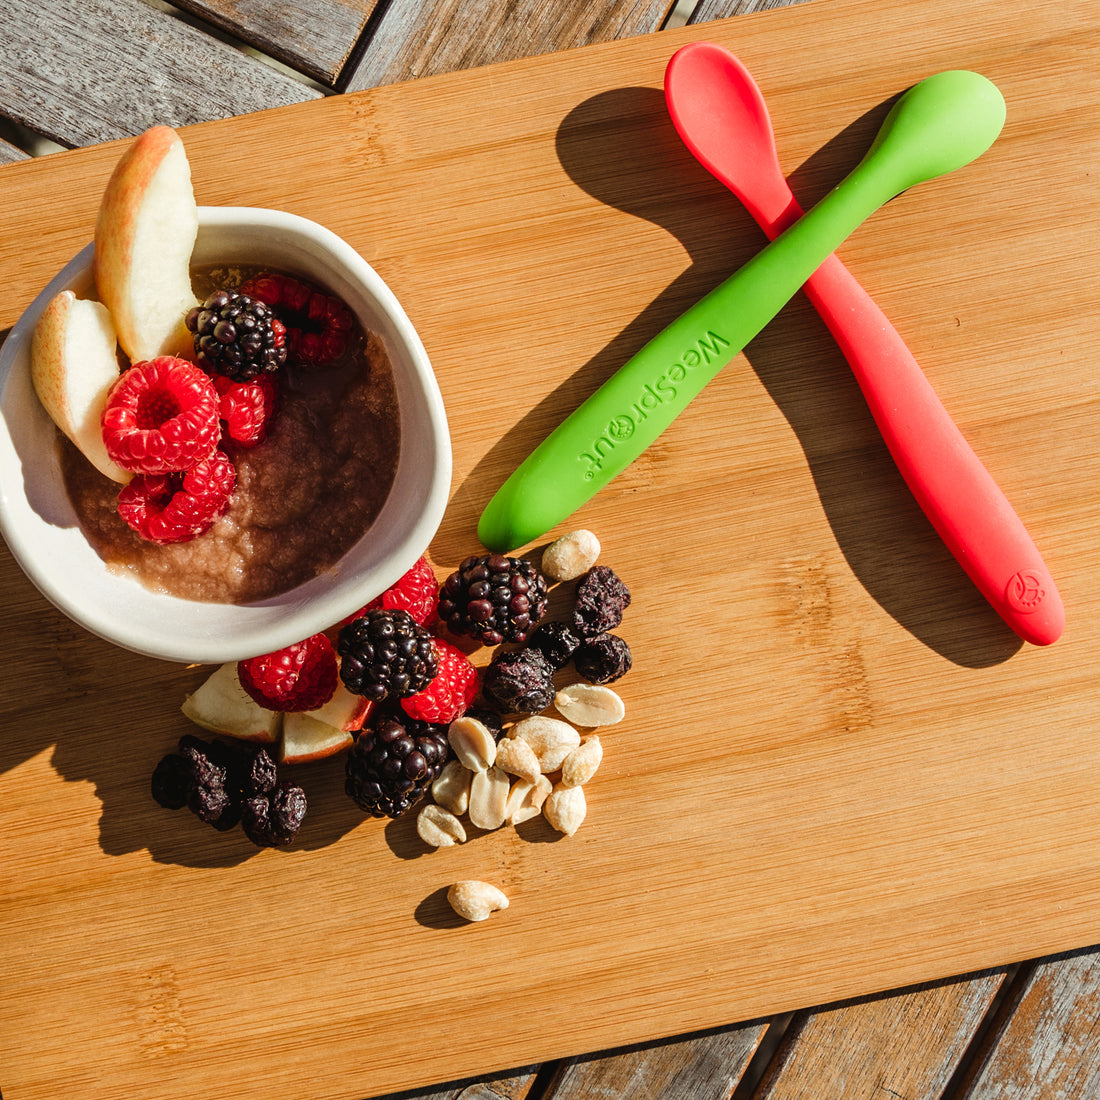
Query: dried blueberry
<point x="601" y="600"/>
<point x="171" y="782"/>
<point x="603" y="659"/>
<point x="556" y="641"/>
<point x="273" y="820"/>
<point x="521" y="681"/>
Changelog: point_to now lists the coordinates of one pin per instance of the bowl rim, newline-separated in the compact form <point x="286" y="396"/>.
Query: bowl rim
<point x="266" y="625"/>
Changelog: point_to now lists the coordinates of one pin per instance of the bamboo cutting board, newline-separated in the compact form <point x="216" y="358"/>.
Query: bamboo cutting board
<point x="839" y="772"/>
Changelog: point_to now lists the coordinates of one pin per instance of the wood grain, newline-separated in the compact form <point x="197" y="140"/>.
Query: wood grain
<point x="415" y="39"/>
<point x="1046" y="1047"/>
<point x="313" y="36"/>
<point x="9" y="153"/>
<point x="104" y="69"/>
<point x="907" y="1045"/>
<point x="702" y="1066"/>
<point x="890" y="789"/>
<point x="706" y="10"/>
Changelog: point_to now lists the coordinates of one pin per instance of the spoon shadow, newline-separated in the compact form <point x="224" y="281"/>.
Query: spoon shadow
<point x="621" y="148"/>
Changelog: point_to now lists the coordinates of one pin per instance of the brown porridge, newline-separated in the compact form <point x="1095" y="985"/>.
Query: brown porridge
<point x="303" y="497"/>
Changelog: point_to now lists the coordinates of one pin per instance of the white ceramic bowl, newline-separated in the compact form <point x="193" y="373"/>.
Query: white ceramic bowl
<point x="40" y="527"/>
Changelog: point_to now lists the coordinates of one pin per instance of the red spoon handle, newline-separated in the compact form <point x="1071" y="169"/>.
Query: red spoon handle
<point x="958" y="494"/>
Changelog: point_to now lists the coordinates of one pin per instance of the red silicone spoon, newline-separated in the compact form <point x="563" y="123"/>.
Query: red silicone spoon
<point x="721" y="116"/>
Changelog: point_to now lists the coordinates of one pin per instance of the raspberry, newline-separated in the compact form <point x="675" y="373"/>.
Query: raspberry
<point x="450" y="693"/>
<point x="318" y="325"/>
<point x="384" y="653"/>
<point x="176" y="507"/>
<point x="245" y="407"/>
<point x="302" y="676"/>
<point x="161" y="416"/>
<point x="493" y="598"/>
<point x="236" y="335"/>
<point x="417" y="592"/>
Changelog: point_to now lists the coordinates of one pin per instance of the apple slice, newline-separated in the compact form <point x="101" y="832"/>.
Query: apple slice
<point x="144" y="236"/>
<point x="222" y="706"/>
<point x="344" y="710"/>
<point x="306" y="738"/>
<point x="73" y="367"/>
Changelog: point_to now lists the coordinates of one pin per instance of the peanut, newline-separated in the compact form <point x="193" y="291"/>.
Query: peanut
<point x="565" y="808"/>
<point x="452" y="788"/>
<point x="525" y="800"/>
<point x="567" y="558"/>
<point x="551" y="739"/>
<point x="590" y="705"/>
<point x="475" y="900"/>
<point x="516" y="757"/>
<point x="473" y="744"/>
<point x="488" y="797"/>
<point x="582" y="763"/>
<point x="439" y="827"/>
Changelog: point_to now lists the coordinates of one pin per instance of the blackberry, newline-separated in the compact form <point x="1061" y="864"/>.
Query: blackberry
<point x="603" y="659"/>
<point x="601" y="600"/>
<point x="391" y="766"/>
<point x="556" y="641"/>
<point x="386" y="653"/>
<point x="493" y="598"/>
<point x="237" y="336"/>
<point x="273" y="819"/>
<point x="520" y="681"/>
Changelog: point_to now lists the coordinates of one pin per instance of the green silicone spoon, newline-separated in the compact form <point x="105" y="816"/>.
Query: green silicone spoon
<point x="937" y="126"/>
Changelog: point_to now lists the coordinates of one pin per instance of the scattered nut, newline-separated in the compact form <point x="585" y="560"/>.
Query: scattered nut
<point x="567" y="558"/>
<point x="590" y="705"/>
<point x="525" y="800"/>
<point x="472" y="742"/>
<point x="475" y="900"/>
<point x="452" y="789"/>
<point x="516" y="757"/>
<point x="551" y="738"/>
<point x="565" y="808"/>
<point x="582" y="763"/>
<point x="439" y="827"/>
<point x="488" y="797"/>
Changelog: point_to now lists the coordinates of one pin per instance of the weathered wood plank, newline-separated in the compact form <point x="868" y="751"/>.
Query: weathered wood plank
<point x="415" y="38"/>
<point x="514" y="1086"/>
<point x="905" y="1044"/>
<point x="102" y="69"/>
<point x="9" y="153"/>
<point x="707" y="1066"/>
<point x="723" y="9"/>
<point x="312" y="36"/>
<point x="1048" y="1047"/>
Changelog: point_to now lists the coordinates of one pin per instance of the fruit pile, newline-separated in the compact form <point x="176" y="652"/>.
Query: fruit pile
<point x="388" y="686"/>
<point x="197" y="378"/>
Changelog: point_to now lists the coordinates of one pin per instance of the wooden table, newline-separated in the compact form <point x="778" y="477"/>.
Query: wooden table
<point x="78" y="74"/>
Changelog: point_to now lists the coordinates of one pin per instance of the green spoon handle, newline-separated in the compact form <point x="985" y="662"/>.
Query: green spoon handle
<point x="637" y="403"/>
